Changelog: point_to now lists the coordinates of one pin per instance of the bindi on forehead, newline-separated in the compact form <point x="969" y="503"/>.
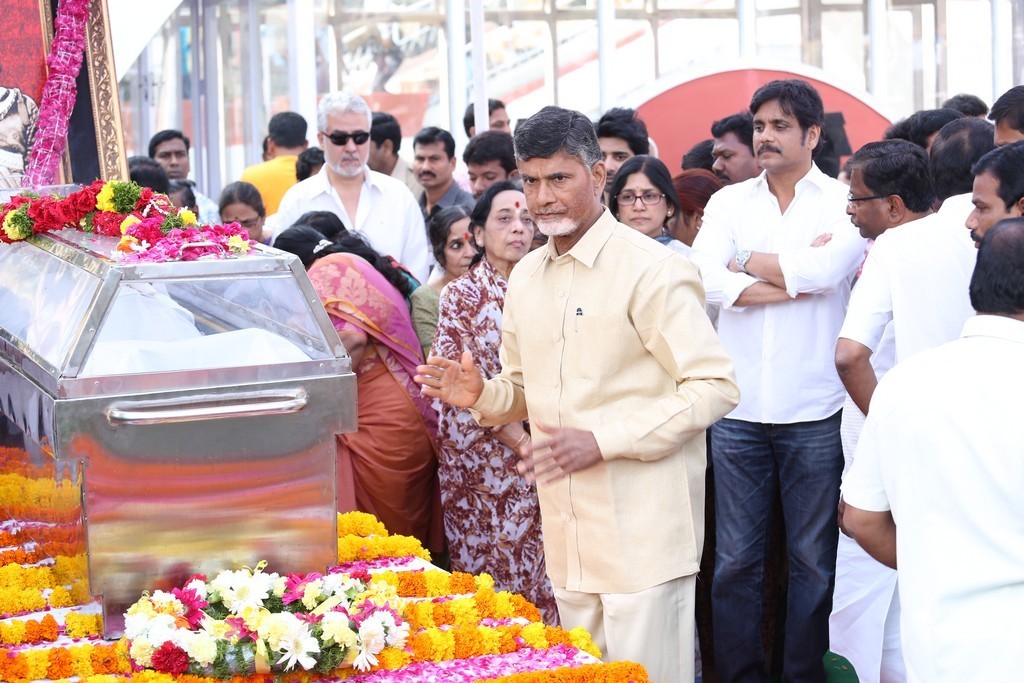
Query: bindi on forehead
<point x="517" y="203"/>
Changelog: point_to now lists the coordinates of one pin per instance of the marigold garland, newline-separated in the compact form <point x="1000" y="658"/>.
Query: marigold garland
<point x="84" y="660"/>
<point x="612" y="672"/>
<point x="470" y="611"/>
<point x="352" y="548"/>
<point x="360" y="524"/>
<point x="435" y="583"/>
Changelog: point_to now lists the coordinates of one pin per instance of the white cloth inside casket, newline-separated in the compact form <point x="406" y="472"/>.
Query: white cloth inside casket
<point x="147" y="331"/>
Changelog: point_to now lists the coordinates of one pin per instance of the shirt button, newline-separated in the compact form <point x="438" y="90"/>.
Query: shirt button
<point x="561" y="294"/>
<point x="568" y="519"/>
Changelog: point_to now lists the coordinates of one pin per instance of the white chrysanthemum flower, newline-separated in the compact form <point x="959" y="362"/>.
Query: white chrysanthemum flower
<point x="202" y="647"/>
<point x="280" y="586"/>
<point x="397" y="635"/>
<point x="371" y="634"/>
<point x="199" y="586"/>
<point x="365" y="660"/>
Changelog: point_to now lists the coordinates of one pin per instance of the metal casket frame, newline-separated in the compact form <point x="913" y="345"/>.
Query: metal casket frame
<point x="193" y="469"/>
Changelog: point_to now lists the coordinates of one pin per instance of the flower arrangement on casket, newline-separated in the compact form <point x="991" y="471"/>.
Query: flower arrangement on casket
<point x="248" y="621"/>
<point x="149" y="226"/>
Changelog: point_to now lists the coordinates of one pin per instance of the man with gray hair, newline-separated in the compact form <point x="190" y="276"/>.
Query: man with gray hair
<point x="606" y="348"/>
<point x="377" y="206"/>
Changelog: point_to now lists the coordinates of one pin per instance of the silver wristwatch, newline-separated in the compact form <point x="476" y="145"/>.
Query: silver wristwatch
<point x="741" y="260"/>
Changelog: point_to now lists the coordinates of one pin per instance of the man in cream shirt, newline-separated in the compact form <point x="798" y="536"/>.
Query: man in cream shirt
<point x="607" y="350"/>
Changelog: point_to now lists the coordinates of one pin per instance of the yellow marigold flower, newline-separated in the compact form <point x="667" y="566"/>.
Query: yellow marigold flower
<point x="105" y="199"/>
<point x="359" y="524"/>
<point x="60" y="597"/>
<point x="533" y="635"/>
<point x="187" y="217"/>
<point x="82" y="625"/>
<point x="128" y="222"/>
<point x="391" y="658"/>
<point x="582" y="640"/>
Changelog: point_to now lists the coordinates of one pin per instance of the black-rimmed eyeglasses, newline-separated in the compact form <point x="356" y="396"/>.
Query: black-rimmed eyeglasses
<point x="852" y="201"/>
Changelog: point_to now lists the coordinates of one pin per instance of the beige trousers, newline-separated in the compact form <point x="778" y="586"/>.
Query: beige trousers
<point x="653" y="627"/>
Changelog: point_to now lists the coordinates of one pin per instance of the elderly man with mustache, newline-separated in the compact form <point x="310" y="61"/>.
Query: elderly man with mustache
<point x="779" y="253"/>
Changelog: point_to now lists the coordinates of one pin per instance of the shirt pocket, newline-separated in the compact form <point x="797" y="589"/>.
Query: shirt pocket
<point x="593" y="348"/>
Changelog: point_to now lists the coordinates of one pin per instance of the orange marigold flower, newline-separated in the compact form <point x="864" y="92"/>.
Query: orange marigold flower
<point x="59" y="664"/>
<point x="48" y="628"/>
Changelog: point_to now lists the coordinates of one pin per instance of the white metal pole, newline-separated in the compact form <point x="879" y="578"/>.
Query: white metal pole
<point x="746" y="14"/>
<point x="605" y="49"/>
<point x="878" y="41"/>
<point x="456" y="38"/>
<point x="481" y="117"/>
<point x="302" y="60"/>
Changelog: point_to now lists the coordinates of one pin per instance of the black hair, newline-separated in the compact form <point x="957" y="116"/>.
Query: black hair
<point x="997" y="285"/>
<point x="623" y="123"/>
<point x="968" y="105"/>
<point x="1009" y="108"/>
<point x="796" y="97"/>
<point x="432" y="134"/>
<point x="491" y="145"/>
<point x="327" y="223"/>
<point x="482" y="211"/>
<point x="386" y="127"/>
<point x="469" y="118"/>
<point x="148" y="173"/>
<point x="439" y="226"/>
<point x="288" y="129"/>
<point x="553" y="130"/>
<point x="956" y="148"/>
<point x="921" y="125"/>
<point x="699" y="156"/>
<point x="741" y="125"/>
<point x="165" y="135"/>
<point x="656" y="172"/>
<point x="186" y="188"/>
<point x="310" y="158"/>
<point x="307" y="243"/>
<point x="241" y="192"/>
<point x="1005" y="164"/>
<point x="896" y="167"/>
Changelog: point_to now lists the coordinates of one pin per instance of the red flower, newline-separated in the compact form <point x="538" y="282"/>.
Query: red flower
<point x="83" y="201"/>
<point x="108" y="224"/>
<point x="171" y="659"/>
<point x="144" y="197"/>
<point x="44" y="215"/>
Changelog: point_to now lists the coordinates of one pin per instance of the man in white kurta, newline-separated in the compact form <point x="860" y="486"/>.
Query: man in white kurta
<point x="935" y="489"/>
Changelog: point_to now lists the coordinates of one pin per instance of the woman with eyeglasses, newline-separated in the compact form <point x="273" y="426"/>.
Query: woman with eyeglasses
<point x="241" y="203"/>
<point x="642" y="197"/>
<point x="388" y="467"/>
<point x="453" y="249"/>
<point x="491" y="513"/>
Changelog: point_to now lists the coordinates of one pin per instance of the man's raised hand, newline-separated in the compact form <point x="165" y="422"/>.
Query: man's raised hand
<point x="458" y="384"/>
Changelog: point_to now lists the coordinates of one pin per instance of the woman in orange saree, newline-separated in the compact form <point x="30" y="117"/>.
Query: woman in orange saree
<point x="388" y="467"/>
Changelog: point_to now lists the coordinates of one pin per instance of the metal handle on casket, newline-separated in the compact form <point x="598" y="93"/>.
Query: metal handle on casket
<point x="192" y="409"/>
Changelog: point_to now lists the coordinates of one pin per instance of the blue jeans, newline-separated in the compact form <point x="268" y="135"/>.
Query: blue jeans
<point x="806" y="461"/>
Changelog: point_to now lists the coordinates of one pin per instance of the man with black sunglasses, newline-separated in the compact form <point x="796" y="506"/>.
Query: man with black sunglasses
<point x="377" y="206"/>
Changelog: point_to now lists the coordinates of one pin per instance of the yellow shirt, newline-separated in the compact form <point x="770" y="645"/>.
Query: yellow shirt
<point x="612" y="337"/>
<point x="272" y="178"/>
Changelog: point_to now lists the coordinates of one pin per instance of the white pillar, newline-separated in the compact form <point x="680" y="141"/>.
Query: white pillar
<point x="605" y="50"/>
<point x="302" y="61"/>
<point x="481" y="117"/>
<point x="746" y="14"/>
<point x="456" y="43"/>
<point x="878" y="42"/>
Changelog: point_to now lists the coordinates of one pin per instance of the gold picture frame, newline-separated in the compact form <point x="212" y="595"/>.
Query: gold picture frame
<point x="95" y="143"/>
